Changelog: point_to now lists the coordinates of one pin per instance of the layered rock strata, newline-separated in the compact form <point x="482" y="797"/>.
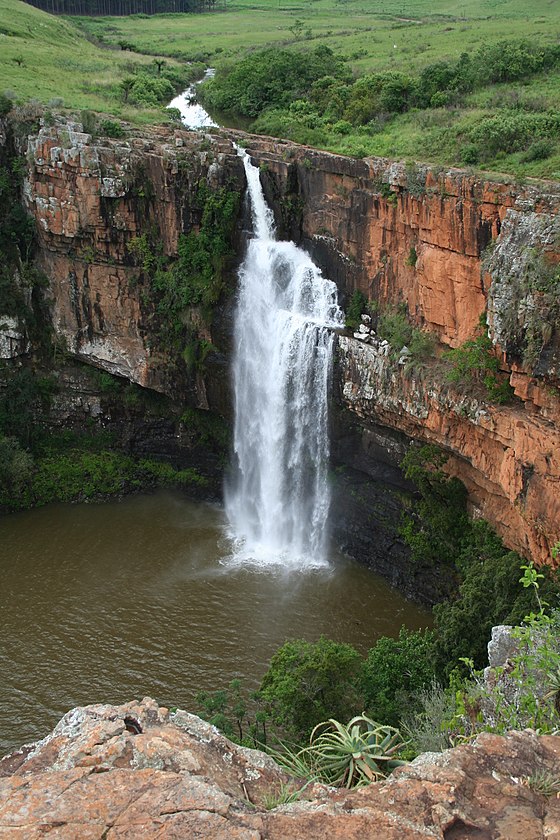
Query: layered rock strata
<point x="91" y="199"/>
<point x="139" y="771"/>
<point x="452" y="247"/>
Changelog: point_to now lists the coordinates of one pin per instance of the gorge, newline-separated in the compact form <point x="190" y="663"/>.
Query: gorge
<point x="113" y="215"/>
<point x="359" y="220"/>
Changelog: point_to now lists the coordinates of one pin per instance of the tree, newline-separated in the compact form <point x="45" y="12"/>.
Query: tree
<point x="307" y="683"/>
<point x="396" y="671"/>
<point x="126" y="86"/>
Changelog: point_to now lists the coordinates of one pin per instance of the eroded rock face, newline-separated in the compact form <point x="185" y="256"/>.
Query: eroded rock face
<point x="451" y="246"/>
<point x="90" y="199"/>
<point x="139" y="771"/>
<point x="395" y="232"/>
<point x="507" y="457"/>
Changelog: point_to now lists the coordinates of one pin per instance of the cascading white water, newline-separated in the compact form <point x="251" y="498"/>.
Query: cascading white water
<point x="277" y="501"/>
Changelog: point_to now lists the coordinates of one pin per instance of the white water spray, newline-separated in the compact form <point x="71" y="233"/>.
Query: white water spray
<point x="278" y="500"/>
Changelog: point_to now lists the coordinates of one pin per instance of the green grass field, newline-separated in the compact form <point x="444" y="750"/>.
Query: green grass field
<point x="49" y="59"/>
<point x="392" y="34"/>
<point x="79" y="60"/>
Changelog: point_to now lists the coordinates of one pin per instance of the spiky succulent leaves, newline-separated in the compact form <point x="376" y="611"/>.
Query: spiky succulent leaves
<point x="357" y="753"/>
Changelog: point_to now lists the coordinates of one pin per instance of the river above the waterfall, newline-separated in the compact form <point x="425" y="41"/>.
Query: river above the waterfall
<point x="107" y="602"/>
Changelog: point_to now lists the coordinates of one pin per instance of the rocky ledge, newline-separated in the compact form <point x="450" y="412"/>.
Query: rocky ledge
<point x="141" y="771"/>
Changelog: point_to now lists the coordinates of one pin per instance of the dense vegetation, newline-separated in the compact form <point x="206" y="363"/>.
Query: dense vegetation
<point x="428" y="683"/>
<point x="327" y="107"/>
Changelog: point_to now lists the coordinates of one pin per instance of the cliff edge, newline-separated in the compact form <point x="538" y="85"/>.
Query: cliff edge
<point x="140" y="771"/>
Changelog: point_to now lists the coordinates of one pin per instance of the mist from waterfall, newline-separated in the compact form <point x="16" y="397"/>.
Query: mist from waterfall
<point x="277" y="499"/>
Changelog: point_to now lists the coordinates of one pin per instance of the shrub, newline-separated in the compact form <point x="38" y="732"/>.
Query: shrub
<point x="394" y="327"/>
<point x="111" y="128"/>
<point x="15" y="470"/>
<point x="356" y="306"/>
<point x="510" y="131"/>
<point x="306" y="682"/>
<point x="436" y="522"/>
<point x="474" y="361"/>
<point x="396" y="671"/>
<point x="349" y="755"/>
<point x="539" y="150"/>
<point x="150" y="91"/>
<point x="412" y="258"/>
<point x="6" y="105"/>
<point x="269" y="78"/>
<point x="89" y="122"/>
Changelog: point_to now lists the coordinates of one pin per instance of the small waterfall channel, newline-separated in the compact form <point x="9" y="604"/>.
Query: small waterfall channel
<point x="277" y="500"/>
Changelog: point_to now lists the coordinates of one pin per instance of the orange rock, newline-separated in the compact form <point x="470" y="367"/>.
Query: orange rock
<point x="72" y="785"/>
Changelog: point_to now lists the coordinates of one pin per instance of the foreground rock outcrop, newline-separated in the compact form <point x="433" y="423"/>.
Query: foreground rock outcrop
<point x="140" y="771"/>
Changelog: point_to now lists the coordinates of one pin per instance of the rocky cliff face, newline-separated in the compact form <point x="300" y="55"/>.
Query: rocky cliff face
<point x="449" y="245"/>
<point x="452" y="247"/>
<point x="91" y="199"/>
<point x="139" y="771"/>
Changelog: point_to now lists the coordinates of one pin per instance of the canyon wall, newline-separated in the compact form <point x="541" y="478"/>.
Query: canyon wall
<point x="449" y="245"/>
<point x="452" y="247"/>
<point x="92" y="201"/>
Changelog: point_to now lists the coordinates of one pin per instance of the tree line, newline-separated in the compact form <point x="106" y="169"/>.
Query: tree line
<point x="121" y="8"/>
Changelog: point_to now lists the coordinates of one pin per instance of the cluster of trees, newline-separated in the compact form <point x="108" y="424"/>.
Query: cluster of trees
<point x="272" y="78"/>
<point x="309" y="97"/>
<point x="120" y="8"/>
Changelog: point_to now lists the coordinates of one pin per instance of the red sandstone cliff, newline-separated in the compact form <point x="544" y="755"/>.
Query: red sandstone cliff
<point x="360" y="219"/>
<point x="90" y="199"/>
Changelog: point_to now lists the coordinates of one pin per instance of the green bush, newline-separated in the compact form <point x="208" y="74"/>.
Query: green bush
<point x="89" y="122"/>
<point x="111" y="128"/>
<point x="440" y="533"/>
<point x="357" y="305"/>
<point x="345" y="755"/>
<point x="393" y="326"/>
<point x="15" y="471"/>
<point x="510" y="131"/>
<point x="305" y="683"/>
<point x="150" y="91"/>
<point x="6" y="105"/>
<point x="23" y="401"/>
<point x="436" y="521"/>
<point x="475" y="362"/>
<point x="395" y="672"/>
<point x="196" y="278"/>
<point x="269" y="78"/>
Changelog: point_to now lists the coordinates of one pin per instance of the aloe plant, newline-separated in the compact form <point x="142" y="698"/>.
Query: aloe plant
<point x="359" y="752"/>
<point x="352" y="754"/>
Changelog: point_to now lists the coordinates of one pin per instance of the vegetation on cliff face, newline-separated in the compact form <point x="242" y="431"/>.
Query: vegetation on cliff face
<point x="195" y="280"/>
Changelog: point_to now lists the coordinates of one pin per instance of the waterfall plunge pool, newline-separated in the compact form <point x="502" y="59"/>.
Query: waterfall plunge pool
<point x="107" y="602"/>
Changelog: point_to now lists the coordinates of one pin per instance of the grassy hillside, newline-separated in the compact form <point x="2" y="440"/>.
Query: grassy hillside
<point x="81" y="60"/>
<point x="389" y="34"/>
<point x="49" y="59"/>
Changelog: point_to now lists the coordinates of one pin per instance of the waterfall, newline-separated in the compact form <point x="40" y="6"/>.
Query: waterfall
<point x="277" y="500"/>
